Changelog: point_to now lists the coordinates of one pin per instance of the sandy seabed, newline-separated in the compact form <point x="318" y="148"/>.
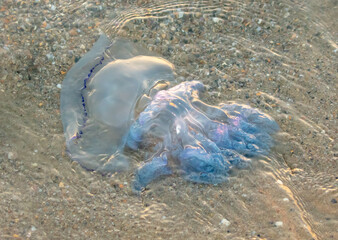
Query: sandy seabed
<point x="277" y="56"/>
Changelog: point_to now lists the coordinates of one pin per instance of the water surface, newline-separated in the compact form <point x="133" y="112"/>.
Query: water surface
<point x="277" y="56"/>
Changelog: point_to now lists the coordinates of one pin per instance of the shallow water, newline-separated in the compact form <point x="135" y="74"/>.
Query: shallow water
<point x="112" y="101"/>
<point x="279" y="57"/>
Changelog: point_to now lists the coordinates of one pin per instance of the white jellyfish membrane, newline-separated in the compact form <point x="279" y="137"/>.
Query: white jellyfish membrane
<point x="99" y="97"/>
<point x="111" y="99"/>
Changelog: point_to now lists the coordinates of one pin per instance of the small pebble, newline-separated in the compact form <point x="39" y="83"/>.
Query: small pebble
<point x="225" y="222"/>
<point x="180" y="14"/>
<point x="33" y="229"/>
<point x="279" y="224"/>
<point x="286" y="200"/>
<point x="50" y="56"/>
<point x="333" y="200"/>
<point x="279" y="182"/>
<point x="12" y="156"/>
<point x="59" y="86"/>
<point x="73" y="32"/>
<point x="216" y="19"/>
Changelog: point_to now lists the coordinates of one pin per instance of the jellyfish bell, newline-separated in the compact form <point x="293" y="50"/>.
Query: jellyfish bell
<point x="99" y="97"/>
<point x="116" y="87"/>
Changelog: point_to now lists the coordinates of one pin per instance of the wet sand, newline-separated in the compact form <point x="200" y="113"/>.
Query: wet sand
<point x="280" y="57"/>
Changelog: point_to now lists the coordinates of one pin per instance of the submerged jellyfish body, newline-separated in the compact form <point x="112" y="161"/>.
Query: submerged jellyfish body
<point x="204" y="141"/>
<point x="98" y="100"/>
<point x="116" y="99"/>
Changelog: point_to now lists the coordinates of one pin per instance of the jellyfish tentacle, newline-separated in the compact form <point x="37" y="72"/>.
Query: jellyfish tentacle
<point x="205" y="141"/>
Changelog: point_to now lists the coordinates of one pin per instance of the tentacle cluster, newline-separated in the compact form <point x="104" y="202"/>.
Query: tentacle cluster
<point x="204" y="142"/>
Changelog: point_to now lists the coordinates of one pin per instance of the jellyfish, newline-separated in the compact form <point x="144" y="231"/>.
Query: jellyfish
<point x="118" y="97"/>
<point x="99" y="97"/>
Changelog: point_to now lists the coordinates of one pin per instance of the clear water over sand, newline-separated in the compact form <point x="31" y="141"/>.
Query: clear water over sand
<point x="279" y="57"/>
